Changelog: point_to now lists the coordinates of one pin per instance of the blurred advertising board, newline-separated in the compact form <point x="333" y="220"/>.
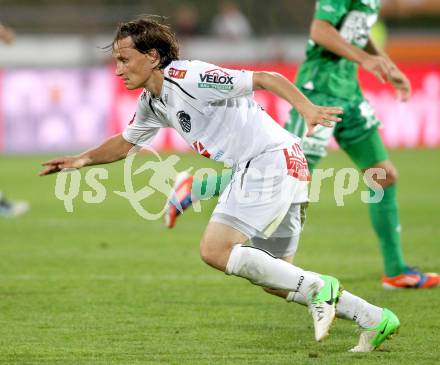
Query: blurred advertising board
<point x="73" y="109"/>
<point x="54" y="109"/>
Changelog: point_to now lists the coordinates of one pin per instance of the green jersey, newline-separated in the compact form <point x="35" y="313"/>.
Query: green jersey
<point x="325" y="72"/>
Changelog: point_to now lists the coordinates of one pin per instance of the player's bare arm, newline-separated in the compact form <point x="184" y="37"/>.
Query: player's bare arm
<point x="113" y="149"/>
<point x="7" y="34"/>
<point x="327" y="36"/>
<point x="279" y="85"/>
<point x="400" y="82"/>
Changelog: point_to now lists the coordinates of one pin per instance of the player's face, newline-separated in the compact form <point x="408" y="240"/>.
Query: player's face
<point x="132" y="66"/>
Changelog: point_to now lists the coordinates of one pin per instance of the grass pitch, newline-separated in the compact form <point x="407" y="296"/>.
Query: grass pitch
<point x="103" y="286"/>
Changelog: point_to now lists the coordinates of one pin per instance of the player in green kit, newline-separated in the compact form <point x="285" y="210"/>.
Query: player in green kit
<point x="339" y="43"/>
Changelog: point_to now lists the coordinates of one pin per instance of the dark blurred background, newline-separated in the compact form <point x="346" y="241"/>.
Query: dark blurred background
<point x="58" y="90"/>
<point x="267" y="17"/>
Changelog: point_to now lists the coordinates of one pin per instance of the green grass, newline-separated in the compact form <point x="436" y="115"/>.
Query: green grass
<point x="103" y="286"/>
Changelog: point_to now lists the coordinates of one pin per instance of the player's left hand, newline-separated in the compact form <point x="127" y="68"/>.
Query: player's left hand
<point x="401" y="84"/>
<point x="321" y="115"/>
<point x="60" y="163"/>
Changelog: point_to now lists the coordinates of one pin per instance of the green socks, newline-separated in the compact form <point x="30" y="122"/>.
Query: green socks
<point x="385" y="220"/>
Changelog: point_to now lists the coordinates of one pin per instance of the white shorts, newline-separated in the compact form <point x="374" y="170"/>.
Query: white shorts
<point x="284" y="241"/>
<point x="262" y="191"/>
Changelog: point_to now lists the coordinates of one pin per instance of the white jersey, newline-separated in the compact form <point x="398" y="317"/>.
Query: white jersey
<point x="213" y="109"/>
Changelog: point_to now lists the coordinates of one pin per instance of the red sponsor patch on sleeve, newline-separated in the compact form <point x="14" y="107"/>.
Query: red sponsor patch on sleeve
<point x="176" y="73"/>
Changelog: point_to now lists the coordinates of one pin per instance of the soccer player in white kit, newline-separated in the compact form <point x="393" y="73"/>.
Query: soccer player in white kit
<point x="212" y="108"/>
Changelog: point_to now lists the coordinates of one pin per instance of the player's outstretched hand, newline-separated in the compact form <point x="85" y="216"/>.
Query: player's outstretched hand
<point x="321" y="115"/>
<point x="385" y="70"/>
<point x="401" y="84"/>
<point x="60" y="163"/>
<point x="379" y="66"/>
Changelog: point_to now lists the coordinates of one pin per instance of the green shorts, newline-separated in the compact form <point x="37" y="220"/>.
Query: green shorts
<point x="358" y="124"/>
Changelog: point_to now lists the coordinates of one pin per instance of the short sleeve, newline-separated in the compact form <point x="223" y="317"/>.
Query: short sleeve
<point x="208" y="82"/>
<point x="143" y="127"/>
<point x="331" y="11"/>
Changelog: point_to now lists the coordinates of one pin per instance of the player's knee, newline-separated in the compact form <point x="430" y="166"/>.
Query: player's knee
<point x="392" y="175"/>
<point x="217" y="243"/>
<point x="216" y="251"/>
<point x="206" y="254"/>
<point x="213" y="253"/>
<point x="387" y="177"/>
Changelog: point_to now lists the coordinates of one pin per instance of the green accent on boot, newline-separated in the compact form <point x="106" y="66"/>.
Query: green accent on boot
<point x="329" y="293"/>
<point x="387" y="327"/>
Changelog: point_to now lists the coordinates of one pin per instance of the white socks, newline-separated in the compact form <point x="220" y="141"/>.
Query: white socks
<point x="349" y="307"/>
<point x="359" y="310"/>
<point x="261" y="268"/>
<point x="295" y="297"/>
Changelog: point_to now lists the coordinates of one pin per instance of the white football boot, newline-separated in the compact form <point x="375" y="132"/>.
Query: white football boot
<point x="322" y="306"/>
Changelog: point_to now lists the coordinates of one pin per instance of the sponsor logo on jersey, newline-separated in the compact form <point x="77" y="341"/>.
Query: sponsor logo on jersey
<point x="176" y="73"/>
<point x="216" y="79"/>
<point x="200" y="149"/>
<point x="184" y="121"/>
<point x="356" y="27"/>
